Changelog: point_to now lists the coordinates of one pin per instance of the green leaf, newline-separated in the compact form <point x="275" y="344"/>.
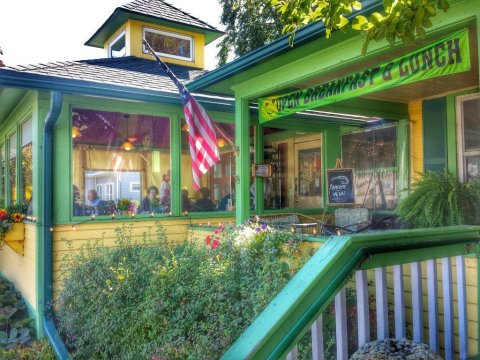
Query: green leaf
<point x="358" y="22"/>
<point x="376" y="18"/>
<point x="357" y="5"/>
<point x="343" y="21"/>
<point x="421" y="33"/>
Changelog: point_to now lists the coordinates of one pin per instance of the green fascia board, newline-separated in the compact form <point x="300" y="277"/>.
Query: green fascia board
<point x="120" y="16"/>
<point x="274" y="332"/>
<point x="275" y="48"/>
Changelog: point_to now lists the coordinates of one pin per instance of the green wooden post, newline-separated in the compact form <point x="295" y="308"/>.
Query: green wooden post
<point x="175" y="164"/>
<point x="403" y="163"/>
<point x="242" y="141"/>
<point x="259" y="157"/>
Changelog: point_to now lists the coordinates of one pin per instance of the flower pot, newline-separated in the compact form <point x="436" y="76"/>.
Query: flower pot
<point x="15" y="237"/>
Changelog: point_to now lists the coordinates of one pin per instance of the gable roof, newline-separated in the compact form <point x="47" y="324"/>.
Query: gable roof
<point x="156" y="12"/>
<point x="124" y="71"/>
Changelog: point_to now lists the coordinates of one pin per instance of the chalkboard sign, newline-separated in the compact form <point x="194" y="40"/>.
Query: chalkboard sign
<point x="340" y="186"/>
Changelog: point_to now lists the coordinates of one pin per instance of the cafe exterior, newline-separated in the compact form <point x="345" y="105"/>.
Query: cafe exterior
<point x="303" y="130"/>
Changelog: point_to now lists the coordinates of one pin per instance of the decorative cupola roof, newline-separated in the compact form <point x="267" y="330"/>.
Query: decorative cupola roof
<point x="156" y="12"/>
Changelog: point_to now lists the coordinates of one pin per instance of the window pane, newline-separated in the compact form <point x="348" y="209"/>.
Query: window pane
<point x="218" y="183"/>
<point x="112" y="151"/>
<point x="372" y="154"/>
<point x="13" y="168"/>
<point x="471" y="124"/>
<point x="27" y="162"/>
<point x="473" y="167"/>
<point x="169" y="44"/>
<point x="117" y="48"/>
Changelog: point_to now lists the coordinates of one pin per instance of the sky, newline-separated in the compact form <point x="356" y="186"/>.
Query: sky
<point x="40" y="31"/>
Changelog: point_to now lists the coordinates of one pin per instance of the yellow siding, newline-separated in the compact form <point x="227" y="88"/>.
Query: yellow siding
<point x="67" y="238"/>
<point x="416" y="143"/>
<point x="20" y="270"/>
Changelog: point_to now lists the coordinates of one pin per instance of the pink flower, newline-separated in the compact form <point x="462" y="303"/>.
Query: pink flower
<point x="215" y="243"/>
<point x="216" y="231"/>
<point x="208" y="240"/>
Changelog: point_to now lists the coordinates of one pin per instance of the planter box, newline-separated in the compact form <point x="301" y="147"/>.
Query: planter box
<point x="15" y="238"/>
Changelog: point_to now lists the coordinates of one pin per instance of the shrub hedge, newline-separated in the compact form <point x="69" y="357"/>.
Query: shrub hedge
<point x="150" y="300"/>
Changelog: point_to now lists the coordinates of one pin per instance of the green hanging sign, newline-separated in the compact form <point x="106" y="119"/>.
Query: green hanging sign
<point x="449" y="55"/>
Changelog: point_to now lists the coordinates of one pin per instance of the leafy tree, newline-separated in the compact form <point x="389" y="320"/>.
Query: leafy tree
<point x="249" y="24"/>
<point x="400" y="19"/>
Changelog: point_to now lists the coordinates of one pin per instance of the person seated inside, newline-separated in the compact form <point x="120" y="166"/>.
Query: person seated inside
<point x="94" y="203"/>
<point x="186" y="204"/>
<point x="78" y="207"/>
<point x="164" y="202"/>
<point x="204" y="204"/>
<point x="150" y="202"/>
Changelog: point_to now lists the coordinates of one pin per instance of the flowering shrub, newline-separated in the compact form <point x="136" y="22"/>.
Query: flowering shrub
<point x="7" y="218"/>
<point x="159" y="301"/>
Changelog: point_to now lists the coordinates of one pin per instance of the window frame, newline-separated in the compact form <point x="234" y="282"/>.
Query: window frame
<point x="461" y="152"/>
<point x="114" y="41"/>
<point x="132" y="184"/>
<point x="174" y="35"/>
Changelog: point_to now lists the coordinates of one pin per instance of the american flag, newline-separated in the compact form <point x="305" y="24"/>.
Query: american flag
<point x="201" y="134"/>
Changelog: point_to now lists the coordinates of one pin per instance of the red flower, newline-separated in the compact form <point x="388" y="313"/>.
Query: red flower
<point x="215" y="243"/>
<point x="208" y="240"/>
<point x="216" y="231"/>
<point x="3" y="214"/>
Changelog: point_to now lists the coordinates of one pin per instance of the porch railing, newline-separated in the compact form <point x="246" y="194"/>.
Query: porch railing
<point x="297" y="308"/>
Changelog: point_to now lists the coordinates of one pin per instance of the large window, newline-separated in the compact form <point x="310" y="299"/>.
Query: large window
<point x="373" y="156"/>
<point x="12" y="168"/>
<point x="169" y="44"/>
<point x="27" y="162"/>
<point x="468" y="121"/>
<point x="218" y="184"/>
<point x="112" y="150"/>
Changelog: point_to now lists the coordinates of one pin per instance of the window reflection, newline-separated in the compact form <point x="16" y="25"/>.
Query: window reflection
<point x="217" y="185"/>
<point x="27" y="169"/>
<point x="117" y="158"/>
<point x="373" y="156"/>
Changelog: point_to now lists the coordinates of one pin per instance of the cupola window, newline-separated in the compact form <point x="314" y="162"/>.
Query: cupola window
<point x="117" y="47"/>
<point x="168" y="44"/>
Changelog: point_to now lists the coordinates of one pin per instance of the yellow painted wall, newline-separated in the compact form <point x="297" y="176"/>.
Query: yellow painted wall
<point x="416" y="137"/>
<point x="134" y="32"/>
<point x="65" y="237"/>
<point x="20" y="270"/>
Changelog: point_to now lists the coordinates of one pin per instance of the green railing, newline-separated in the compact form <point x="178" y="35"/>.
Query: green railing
<point x="280" y="326"/>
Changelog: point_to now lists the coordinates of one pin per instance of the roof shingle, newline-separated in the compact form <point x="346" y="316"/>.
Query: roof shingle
<point x="163" y="10"/>
<point x="127" y="71"/>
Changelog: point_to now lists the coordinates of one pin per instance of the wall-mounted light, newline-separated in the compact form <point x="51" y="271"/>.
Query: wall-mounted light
<point x="76" y="133"/>
<point x="221" y="142"/>
<point x="127" y="145"/>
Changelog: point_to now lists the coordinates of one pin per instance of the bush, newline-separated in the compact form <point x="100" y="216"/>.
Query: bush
<point x="154" y="301"/>
<point x="394" y="349"/>
<point x="39" y="350"/>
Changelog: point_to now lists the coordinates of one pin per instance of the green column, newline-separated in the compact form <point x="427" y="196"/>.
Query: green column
<point x="403" y="164"/>
<point x="175" y="164"/>
<point x="242" y="164"/>
<point x="258" y="143"/>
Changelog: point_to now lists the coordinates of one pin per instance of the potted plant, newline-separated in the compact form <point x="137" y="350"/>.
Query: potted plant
<point x="12" y="229"/>
<point x="123" y="205"/>
<point x="440" y="199"/>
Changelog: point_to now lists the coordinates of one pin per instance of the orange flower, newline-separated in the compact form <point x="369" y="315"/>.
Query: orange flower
<point x="3" y="214"/>
<point x="17" y="217"/>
